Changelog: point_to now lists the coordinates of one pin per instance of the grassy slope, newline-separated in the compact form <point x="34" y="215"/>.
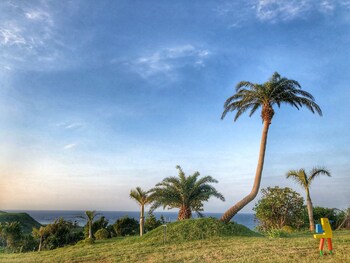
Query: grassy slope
<point x="26" y="220"/>
<point x="301" y="247"/>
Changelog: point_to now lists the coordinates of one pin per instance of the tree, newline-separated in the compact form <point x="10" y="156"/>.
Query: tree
<point x="90" y="216"/>
<point x="304" y="180"/>
<point x="142" y="198"/>
<point x="98" y="224"/>
<point x="184" y="192"/>
<point x="126" y="226"/>
<point x="279" y="207"/>
<point x="152" y="222"/>
<point x="276" y="91"/>
<point x="39" y="233"/>
<point x="12" y="234"/>
<point x="345" y="220"/>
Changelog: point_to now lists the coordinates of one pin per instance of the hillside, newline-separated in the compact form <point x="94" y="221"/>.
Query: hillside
<point x="25" y="220"/>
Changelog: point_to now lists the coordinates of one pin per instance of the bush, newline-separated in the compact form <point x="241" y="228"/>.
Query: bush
<point x="59" y="234"/>
<point x="126" y="226"/>
<point x="97" y="225"/>
<point x="11" y="235"/>
<point x="334" y="215"/>
<point x="279" y="207"/>
<point x="276" y="233"/>
<point x="102" y="234"/>
<point x="287" y="229"/>
<point x="152" y="222"/>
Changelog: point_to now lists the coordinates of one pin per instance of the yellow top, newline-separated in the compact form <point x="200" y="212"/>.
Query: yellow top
<point x="326" y="228"/>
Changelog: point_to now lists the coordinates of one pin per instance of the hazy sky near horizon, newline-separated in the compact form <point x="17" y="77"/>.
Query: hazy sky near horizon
<point x="98" y="97"/>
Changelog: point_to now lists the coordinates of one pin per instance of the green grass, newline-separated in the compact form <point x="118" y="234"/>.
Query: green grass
<point x="226" y="244"/>
<point x="24" y="219"/>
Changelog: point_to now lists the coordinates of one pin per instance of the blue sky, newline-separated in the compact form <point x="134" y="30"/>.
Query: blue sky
<point x="98" y="97"/>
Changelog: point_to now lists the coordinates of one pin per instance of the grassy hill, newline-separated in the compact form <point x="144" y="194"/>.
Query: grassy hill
<point x="25" y="220"/>
<point x="232" y="243"/>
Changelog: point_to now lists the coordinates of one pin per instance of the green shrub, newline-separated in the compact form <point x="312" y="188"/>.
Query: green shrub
<point x="279" y="207"/>
<point x="126" y="226"/>
<point x="287" y="229"/>
<point x="152" y="222"/>
<point x="102" y="234"/>
<point x="276" y="233"/>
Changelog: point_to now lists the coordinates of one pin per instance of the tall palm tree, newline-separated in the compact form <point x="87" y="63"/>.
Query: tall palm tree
<point x="142" y="198"/>
<point x="276" y="91"/>
<point x="305" y="180"/>
<point x="184" y="192"/>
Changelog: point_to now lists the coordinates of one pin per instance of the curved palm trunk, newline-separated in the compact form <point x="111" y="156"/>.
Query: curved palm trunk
<point x="310" y="211"/>
<point x="227" y="216"/>
<point x="142" y="220"/>
<point x="184" y="213"/>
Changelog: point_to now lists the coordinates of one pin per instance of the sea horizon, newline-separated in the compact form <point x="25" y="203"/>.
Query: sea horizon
<point x="45" y="217"/>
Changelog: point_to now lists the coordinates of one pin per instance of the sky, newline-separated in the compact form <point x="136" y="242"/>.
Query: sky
<point x="98" y="97"/>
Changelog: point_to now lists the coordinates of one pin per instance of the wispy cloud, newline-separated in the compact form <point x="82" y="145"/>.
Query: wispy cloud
<point x="70" y="125"/>
<point x="273" y="11"/>
<point x="167" y="60"/>
<point x="30" y="37"/>
<point x="70" y="146"/>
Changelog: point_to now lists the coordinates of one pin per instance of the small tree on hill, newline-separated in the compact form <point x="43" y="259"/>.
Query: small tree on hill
<point x="188" y="193"/>
<point x="279" y="207"/>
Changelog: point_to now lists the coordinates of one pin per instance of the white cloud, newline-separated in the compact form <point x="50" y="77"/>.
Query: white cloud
<point x="70" y="125"/>
<point x="30" y="37"/>
<point x="273" y="11"/>
<point x="70" y="146"/>
<point x="167" y="60"/>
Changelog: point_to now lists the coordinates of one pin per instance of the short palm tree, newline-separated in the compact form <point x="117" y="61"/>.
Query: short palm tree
<point x="142" y="198"/>
<point x="90" y="216"/>
<point x="39" y="233"/>
<point x="305" y="180"/>
<point x="250" y="96"/>
<point x="184" y="192"/>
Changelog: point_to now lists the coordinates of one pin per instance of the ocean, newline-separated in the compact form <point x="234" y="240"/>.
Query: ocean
<point x="45" y="217"/>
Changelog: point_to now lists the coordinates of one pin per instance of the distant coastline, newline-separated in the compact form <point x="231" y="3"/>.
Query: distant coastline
<point x="45" y="217"/>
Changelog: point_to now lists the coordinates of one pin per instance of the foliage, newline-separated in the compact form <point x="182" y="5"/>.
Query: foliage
<point x="276" y="233"/>
<point x="184" y="192"/>
<point x="334" y="215"/>
<point x="126" y="226"/>
<point x="100" y="223"/>
<point x="26" y="221"/>
<point x="14" y="239"/>
<point x="287" y="229"/>
<point x="345" y="216"/>
<point x="102" y="234"/>
<point x="59" y="234"/>
<point x="279" y="207"/>
<point x="11" y="235"/>
<point x="152" y="222"/>
<point x="89" y="216"/>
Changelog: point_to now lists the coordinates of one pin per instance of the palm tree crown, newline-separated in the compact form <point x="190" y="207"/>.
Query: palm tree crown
<point x="140" y="196"/>
<point x="301" y="177"/>
<point x="276" y="90"/>
<point x="185" y="192"/>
